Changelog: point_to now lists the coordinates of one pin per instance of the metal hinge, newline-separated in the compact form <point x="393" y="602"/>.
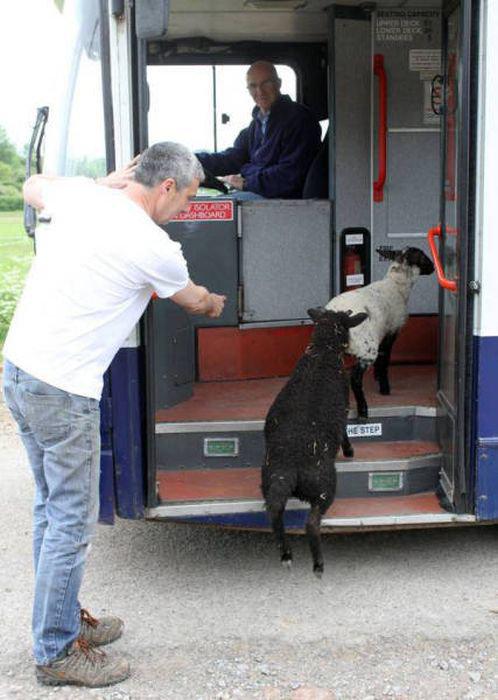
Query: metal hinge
<point x="474" y="286"/>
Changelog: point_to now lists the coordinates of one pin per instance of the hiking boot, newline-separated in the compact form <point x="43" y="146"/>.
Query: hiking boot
<point x="83" y="665"/>
<point x="102" y="631"/>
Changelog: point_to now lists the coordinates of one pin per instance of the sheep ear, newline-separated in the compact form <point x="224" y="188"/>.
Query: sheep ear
<point x="417" y="257"/>
<point x="316" y="313"/>
<point x="356" y="320"/>
<point x="388" y="254"/>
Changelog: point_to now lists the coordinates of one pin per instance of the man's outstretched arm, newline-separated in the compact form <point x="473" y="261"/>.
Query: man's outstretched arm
<point x="32" y="190"/>
<point x="198" y="300"/>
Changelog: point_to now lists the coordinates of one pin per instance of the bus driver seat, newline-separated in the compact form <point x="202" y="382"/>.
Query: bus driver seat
<point x="316" y="185"/>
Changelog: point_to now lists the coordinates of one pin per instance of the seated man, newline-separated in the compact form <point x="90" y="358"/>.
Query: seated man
<point x="273" y="154"/>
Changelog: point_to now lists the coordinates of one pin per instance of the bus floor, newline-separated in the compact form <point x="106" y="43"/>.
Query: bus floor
<point x="411" y="385"/>
<point x="250" y="399"/>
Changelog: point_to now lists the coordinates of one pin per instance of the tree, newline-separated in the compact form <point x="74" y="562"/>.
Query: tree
<point x="11" y="174"/>
<point x="8" y="153"/>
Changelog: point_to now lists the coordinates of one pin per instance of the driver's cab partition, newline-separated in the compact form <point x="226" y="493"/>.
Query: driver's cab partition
<point x="272" y="260"/>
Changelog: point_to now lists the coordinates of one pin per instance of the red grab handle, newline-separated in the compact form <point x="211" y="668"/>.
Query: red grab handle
<point x="378" y="185"/>
<point x="443" y="282"/>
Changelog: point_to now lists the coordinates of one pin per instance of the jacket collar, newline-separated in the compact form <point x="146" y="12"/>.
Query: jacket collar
<point x="275" y="108"/>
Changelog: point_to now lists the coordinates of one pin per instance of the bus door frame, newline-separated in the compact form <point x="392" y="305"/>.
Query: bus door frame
<point x="459" y="484"/>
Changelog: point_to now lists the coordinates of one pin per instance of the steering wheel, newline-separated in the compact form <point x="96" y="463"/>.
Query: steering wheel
<point x="212" y="182"/>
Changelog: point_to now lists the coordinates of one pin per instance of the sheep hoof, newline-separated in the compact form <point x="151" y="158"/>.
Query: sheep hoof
<point x="348" y="452"/>
<point x="287" y="564"/>
<point x="318" y="570"/>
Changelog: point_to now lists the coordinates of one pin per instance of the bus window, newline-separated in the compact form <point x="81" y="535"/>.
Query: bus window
<point x="203" y="107"/>
<point x="181" y="105"/>
<point x="233" y="100"/>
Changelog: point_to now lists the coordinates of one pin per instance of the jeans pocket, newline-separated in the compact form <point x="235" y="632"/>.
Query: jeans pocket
<point x="48" y="416"/>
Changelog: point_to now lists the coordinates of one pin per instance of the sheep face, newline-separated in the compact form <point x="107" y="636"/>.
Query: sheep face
<point x="411" y="257"/>
<point x="335" y="324"/>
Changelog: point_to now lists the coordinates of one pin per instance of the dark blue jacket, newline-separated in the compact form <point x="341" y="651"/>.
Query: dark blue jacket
<point x="274" y="166"/>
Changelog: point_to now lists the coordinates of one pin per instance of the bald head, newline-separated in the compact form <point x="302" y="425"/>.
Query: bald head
<point x="263" y="84"/>
<point x="265" y="66"/>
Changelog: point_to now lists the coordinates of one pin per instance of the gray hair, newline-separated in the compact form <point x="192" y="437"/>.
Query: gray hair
<point x="167" y="159"/>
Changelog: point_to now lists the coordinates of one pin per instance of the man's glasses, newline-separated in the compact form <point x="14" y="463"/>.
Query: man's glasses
<point x="252" y="87"/>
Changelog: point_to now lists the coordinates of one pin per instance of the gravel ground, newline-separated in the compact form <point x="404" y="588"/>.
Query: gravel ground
<point x="211" y="614"/>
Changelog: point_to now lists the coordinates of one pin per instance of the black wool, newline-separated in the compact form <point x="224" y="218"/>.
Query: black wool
<point x="305" y="427"/>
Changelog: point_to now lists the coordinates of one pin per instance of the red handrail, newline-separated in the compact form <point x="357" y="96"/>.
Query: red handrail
<point x="378" y="186"/>
<point x="443" y="281"/>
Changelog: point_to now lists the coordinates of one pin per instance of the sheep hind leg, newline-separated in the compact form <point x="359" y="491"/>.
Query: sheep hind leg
<point x="381" y="364"/>
<point x="314" y="539"/>
<point x="357" y="386"/>
<point x="277" y="522"/>
<point x="346" y="446"/>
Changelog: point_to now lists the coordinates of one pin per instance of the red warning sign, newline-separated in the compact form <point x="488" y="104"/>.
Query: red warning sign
<point x="207" y="211"/>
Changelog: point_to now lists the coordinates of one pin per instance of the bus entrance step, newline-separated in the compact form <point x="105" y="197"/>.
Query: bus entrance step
<point x="377" y="469"/>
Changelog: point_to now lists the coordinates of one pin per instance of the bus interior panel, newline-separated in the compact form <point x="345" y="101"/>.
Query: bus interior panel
<point x="374" y="77"/>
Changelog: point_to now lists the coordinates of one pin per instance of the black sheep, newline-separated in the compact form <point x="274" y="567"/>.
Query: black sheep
<point x="304" y="428"/>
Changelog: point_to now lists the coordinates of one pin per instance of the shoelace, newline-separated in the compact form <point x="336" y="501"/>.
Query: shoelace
<point x="89" y="619"/>
<point x="93" y="656"/>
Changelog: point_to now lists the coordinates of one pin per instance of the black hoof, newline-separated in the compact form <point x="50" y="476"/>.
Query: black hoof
<point x="318" y="570"/>
<point x="286" y="560"/>
<point x="348" y="452"/>
<point x="385" y="389"/>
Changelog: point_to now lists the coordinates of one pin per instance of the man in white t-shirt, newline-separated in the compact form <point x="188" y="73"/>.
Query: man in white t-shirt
<point x="100" y="256"/>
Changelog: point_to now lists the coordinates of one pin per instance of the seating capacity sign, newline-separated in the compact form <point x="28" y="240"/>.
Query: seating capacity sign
<point x="221" y="210"/>
<point x="406" y="25"/>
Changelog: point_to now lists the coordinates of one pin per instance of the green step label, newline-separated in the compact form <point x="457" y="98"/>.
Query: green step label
<point x="385" y="481"/>
<point x="221" y="447"/>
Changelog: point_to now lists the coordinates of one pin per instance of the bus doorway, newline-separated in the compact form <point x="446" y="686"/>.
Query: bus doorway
<point x="210" y="385"/>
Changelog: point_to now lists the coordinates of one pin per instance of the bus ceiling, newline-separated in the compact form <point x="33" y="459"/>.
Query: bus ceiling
<point x="240" y="20"/>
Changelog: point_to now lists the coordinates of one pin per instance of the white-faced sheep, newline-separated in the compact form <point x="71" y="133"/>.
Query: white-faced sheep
<point x="304" y="428"/>
<point x="386" y="303"/>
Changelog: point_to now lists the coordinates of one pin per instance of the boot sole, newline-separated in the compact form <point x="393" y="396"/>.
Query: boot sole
<point x="49" y="681"/>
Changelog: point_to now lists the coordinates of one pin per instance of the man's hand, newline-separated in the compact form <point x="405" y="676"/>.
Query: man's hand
<point x="118" y="179"/>
<point x="198" y="300"/>
<point x="235" y="181"/>
<point x="217" y="302"/>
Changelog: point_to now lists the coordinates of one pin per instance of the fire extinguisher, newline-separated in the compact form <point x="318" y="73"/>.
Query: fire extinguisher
<point x="355" y="258"/>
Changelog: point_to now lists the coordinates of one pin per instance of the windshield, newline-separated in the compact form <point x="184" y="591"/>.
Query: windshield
<point x="75" y="142"/>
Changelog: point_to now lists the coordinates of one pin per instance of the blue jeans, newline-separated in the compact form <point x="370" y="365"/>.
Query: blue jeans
<point x="61" y="434"/>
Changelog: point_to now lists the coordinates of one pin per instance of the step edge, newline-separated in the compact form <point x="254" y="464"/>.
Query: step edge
<point x="214" y="426"/>
<point x="432" y="459"/>
<point x="199" y="508"/>
<point x="356" y="465"/>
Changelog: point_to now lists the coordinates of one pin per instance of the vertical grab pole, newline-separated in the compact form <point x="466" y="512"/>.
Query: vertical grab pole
<point x="379" y="71"/>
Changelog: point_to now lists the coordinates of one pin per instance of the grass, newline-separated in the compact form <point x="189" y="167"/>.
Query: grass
<point x="16" y="252"/>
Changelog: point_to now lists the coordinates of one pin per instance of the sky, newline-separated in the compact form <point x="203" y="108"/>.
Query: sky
<point x="30" y="39"/>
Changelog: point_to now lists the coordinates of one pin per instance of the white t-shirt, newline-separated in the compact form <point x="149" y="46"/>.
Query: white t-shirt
<point x="97" y="263"/>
